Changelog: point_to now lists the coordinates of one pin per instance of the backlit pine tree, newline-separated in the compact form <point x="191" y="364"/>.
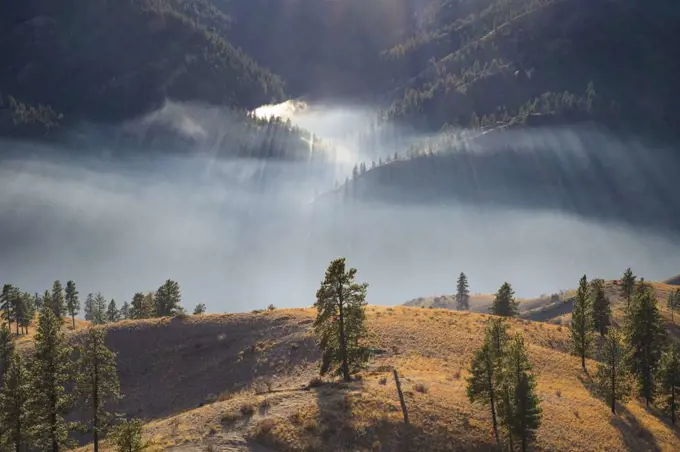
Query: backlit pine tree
<point x="72" y="302"/>
<point x="673" y="302"/>
<point x="6" y="348"/>
<point x="51" y="371"/>
<point x="168" y="299"/>
<point x="668" y="379"/>
<point x="112" y="313"/>
<point x="646" y="336"/>
<point x="57" y="301"/>
<point x="125" y="311"/>
<point x="627" y="286"/>
<point x="505" y="304"/>
<point x="601" y="307"/>
<point x="613" y="378"/>
<point x="485" y="369"/>
<point x="582" y="322"/>
<point x="520" y="408"/>
<point x="199" y="309"/>
<point x="462" y="293"/>
<point x="14" y="414"/>
<point x="6" y="304"/>
<point x="127" y="436"/>
<point x="97" y="385"/>
<point x="340" y="325"/>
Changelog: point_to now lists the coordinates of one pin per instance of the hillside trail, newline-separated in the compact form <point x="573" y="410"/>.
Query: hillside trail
<point x="234" y="437"/>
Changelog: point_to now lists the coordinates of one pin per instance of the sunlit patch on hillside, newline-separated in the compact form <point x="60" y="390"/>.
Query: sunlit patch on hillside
<point x="284" y="110"/>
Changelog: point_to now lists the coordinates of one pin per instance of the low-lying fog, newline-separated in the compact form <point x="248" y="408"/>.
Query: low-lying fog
<point x="126" y="227"/>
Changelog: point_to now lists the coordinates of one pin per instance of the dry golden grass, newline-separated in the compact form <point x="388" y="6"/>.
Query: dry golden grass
<point x="431" y="349"/>
<point x="67" y="327"/>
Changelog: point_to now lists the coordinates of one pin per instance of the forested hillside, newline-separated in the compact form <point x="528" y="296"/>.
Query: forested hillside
<point x="110" y="60"/>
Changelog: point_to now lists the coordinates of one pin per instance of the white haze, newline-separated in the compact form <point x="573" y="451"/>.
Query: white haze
<point x="124" y="227"/>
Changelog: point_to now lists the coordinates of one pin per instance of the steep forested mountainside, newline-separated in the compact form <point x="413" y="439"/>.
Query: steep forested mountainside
<point x="429" y="63"/>
<point x="480" y="61"/>
<point x="109" y="60"/>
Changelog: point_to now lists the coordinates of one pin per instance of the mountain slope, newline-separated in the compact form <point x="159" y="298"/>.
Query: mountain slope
<point x="112" y="60"/>
<point x="169" y="366"/>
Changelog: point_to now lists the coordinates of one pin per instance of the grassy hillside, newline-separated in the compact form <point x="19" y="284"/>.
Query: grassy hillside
<point x="200" y="382"/>
<point x="112" y="60"/>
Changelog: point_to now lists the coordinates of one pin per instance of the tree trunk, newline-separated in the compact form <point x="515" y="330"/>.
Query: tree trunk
<point x="614" y="385"/>
<point x="583" y="361"/>
<point x="95" y="398"/>
<point x="401" y="397"/>
<point x="673" y="407"/>
<point x="73" y="319"/>
<point x="492" y="396"/>
<point x="343" y="339"/>
<point x="512" y="447"/>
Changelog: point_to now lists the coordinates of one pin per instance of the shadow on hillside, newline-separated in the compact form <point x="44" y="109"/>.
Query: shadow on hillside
<point x="351" y="419"/>
<point x="633" y="434"/>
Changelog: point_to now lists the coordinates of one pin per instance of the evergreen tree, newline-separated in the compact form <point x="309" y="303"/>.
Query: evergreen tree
<point x="89" y="307"/>
<point x="51" y="372"/>
<point x="646" y="337"/>
<point x="19" y="308"/>
<point x="97" y="384"/>
<point x="673" y="302"/>
<point x="520" y="408"/>
<point x="505" y="304"/>
<point x="6" y="304"/>
<point x="72" y="301"/>
<point x="29" y="310"/>
<point x="127" y="436"/>
<point x="199" y="309"/>
<point x="167" y="299"/>
<point x="6" y="348"/>
<point x="112" y="313"/>
<point x="482" y="385"/>
<point x="582" y="322"/>
<point x="627" y="286"/>
<point x="137" y="306"/>
<point x="462" y="293"/>
<point x="38" y="302"/>
<point x="125" y="311"/>
<point x="668" y="378"/>
<point x="14" y="415"/>
<point x="601" y="308"/>
<point x="46" y="299"/>
<point x="613" y="378"/>
<point x="340" y="322"/>
<point x="99" y="306"/>
<point x="57" y="301"/>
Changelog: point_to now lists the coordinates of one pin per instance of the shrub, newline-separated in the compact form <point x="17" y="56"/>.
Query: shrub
<point x="420" y="387"/>
<point x="247" y="409"/>
<point x="263" y="428"/>
<point x="383" y="381"/>
<point x="315" y="382"/>
<point x="271" y="307"/>
<point x="231" y="416"/>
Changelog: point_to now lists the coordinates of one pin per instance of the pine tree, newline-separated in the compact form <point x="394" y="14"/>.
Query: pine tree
<point x="668" y="378"/>
<point x="601" y="308"/>
<point x="19" y="309"/>
<point x="137" y="306"/>
<point x="582" y="322"/>
<point x="340" y="322"/>
<point x="6" y="304"/>
<point x="14" y="415"/>
<point x="505" y="304"/>
<point x="89" y="307"/>
<point x="627" y="286"/>
<point x="673" y="302"/>
<point x="462" y="293"/>
<point x="613" y="378"/>
<point x="72" y="301"/>
<point x="482" y="385"/>
<point x="520" y="409"/>
<point x="97" y="385"/>
<point x="127" y="436"/>
<point x="125" y="311"/>
<point x="6" y="348"/>
<point x="199" y="309"/>
<point x="99" y="307"/>
<point x="51" y="372"/>
<point x="57" y="301"/>
<point x="29" y="311"/>
<point x="112" y="313"/>
<point x="646" y="337"/>
<point x="167" y="299"/>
